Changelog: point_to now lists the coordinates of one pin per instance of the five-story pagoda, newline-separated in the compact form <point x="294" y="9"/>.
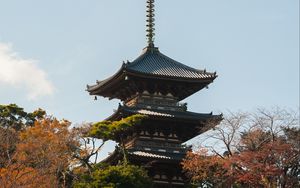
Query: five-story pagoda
<point x="153" y="85"/>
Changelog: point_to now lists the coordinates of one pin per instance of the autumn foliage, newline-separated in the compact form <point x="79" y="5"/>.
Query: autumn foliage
<point x="205" y="169"/>
<point x="39" y="151"/>
<point x="264" y="155"/>
<point x="42" y="156"/>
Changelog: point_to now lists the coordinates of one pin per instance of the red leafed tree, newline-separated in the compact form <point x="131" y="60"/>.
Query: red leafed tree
<point x="206" y="170"/>
<point x="263" y="151"/>
<point x="274" y="161"/>
<point x="266" y="167"/>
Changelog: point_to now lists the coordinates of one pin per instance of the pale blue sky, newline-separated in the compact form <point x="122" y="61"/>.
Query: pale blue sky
<point x="252" y="44"/>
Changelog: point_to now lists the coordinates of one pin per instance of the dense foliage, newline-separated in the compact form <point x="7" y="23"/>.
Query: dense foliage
<point x="115" y="130"/>
<point x="15" y="117"/>
<point x="112" y="130"/>
<point x="42" y="156"/>
<point x="119" y="176"/>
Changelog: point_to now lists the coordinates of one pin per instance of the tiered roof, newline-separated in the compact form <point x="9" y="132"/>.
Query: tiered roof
<point x="153" y="66"/>
<point x="152" y="85"/>
<point x="156" y="155"/>
<point x="189" y="123"/>
<point x="183" y="115"/>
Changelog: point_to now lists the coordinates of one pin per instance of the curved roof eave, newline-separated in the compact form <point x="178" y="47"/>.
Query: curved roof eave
<point x="166" y="77"/>
<point x="105" y="81"/>
<point x="188" y="115"/>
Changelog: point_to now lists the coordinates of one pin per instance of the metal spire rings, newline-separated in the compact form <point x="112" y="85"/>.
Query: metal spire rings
<point x="150" y="23"/>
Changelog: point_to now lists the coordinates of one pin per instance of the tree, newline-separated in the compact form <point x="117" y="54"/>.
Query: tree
<point x="43" y="156"/>
<point x="261" y="150"/>
<point x="14" y="119"/>
<point x="89" y="147"/>
<point x="119" y="176"/>
<point x="115" y="130"/>
<point x="123" y="174"/>
<point x="268" y="166"/>
<point x="205" y="170"/>
<point x="37" y="150"/>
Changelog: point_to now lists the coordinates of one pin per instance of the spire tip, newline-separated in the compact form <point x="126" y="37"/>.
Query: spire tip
<point x="150" y="23"/>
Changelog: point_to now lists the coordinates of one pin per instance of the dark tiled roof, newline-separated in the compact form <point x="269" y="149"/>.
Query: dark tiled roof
<point x="149" y="154"/>
<point x="155" y="63"/>
<point x="156" y="155"/>
<point x="168" y="113"/>
<point x="154" y="66"/>
<point x="117" y="155"/>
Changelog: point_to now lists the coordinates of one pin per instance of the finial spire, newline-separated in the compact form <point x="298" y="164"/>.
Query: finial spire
<point x="150" y="23"/>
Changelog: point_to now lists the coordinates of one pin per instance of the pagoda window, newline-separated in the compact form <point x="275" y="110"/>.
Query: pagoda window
<point x="161" y="182"/>
<point x="161" y="177"/>
<point x="155" y="101"/>
<point x="175" y="178"/>
<point x="162" y="150"/>
<point x="177" y="183"/>
<point x="169" y="95"/>
<point x="175" y="140"/>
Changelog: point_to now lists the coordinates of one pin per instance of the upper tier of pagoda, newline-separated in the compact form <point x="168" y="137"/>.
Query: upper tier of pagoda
<point x="153" y="72"/>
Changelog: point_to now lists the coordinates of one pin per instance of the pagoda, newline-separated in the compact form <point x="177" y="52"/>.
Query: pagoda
<point x="153" y="85"/>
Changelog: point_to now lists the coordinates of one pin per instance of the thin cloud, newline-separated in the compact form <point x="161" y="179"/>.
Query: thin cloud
<point x="23" y="73"/>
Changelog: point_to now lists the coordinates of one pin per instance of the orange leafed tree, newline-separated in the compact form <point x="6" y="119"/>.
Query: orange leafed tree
<point x="43" y="155"/>
<point x="39" y="151"/>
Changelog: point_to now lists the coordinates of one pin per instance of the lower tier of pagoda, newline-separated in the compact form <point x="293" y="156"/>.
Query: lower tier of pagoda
<point x="157" y="143"/>
<point x="166" y="126"/>
<point x="163" y="168"/>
